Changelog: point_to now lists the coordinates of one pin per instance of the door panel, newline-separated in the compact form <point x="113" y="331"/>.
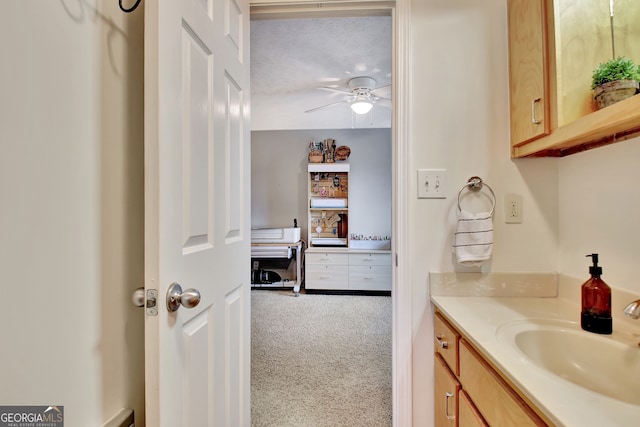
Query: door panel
<point x="196" y="336"/>
<point x="197" y="108"/>
<point x="234" y="163"/>
<point x="196" y="211"/>
<point x="234" y="311"/>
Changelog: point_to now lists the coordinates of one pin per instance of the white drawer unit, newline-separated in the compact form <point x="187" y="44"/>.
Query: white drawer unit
<point x="327" y="277"/>
<point x="370" y="278"/>
<point x="327" y="270"/>
<point x="370" y="271"/>
<point x="369" y="259"/>
<point x="357" y="271"/>
<point x="332" y="258"/>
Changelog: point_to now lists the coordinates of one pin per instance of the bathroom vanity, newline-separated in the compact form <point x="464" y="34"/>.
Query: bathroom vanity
<point x="504" y="358"/>
<point x="470" y="390"/>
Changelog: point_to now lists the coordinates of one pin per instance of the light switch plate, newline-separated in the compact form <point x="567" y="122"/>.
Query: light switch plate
<point x="432" y="183"/>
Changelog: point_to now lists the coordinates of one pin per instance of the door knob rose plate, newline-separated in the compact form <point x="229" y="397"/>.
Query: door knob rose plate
<point x="176" y="297"/>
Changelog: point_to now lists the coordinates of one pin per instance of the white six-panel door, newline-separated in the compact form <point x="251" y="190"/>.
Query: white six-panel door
<point x="197" y="177"/>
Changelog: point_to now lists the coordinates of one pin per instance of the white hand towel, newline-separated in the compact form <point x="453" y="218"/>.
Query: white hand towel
<point x="473" y="238"/>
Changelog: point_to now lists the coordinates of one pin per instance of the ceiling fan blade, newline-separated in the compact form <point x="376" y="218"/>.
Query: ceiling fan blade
<point x="330" y="89"/>
<point x="384" y="102"/>
<point x="324" y="106"/>
<point x="379" y="88"/>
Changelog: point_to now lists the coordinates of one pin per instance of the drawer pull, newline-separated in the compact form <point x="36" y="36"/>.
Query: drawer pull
<point x="368" y="259"/>
<point x="447" y="395"/>
<point x="441" y="343"/>
<point x="325" y="277"/>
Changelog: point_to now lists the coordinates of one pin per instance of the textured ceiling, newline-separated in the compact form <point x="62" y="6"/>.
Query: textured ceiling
<point x="292" y="58"/>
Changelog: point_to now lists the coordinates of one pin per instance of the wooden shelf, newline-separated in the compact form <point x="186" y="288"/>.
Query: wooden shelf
<point x="615" y="123"/>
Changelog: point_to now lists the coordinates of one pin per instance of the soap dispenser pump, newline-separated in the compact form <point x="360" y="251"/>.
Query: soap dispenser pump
<point x="596" y="302"/>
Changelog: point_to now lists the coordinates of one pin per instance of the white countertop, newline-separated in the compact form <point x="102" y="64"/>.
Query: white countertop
<point x="563" y="402"/>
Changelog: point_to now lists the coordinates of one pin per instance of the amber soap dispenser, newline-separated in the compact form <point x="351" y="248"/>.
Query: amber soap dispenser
<point x="596" y="302"/>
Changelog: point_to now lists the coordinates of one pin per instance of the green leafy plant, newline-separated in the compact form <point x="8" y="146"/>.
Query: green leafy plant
<point x="620" y="68"/>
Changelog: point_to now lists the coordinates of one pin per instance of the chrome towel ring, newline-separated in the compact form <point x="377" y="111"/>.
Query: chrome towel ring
<point x="475" y="183"/>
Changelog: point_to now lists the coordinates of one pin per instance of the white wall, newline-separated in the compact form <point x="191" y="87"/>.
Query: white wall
<point x="71" y="221"/>
<point x="459" y="121"/>
<point x="599" y="207"/>
<point x="279" y="178"/>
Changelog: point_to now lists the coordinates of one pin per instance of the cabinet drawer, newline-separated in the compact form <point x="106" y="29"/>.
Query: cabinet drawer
<point x="446" y="391"/>
<point x="498" y="403"/>
<point x="369" y="278"/>
<point x="327" y="277"/>
<point x="447" y="340"/>
<point x="326" y="258"/>
<point x="369" y="259"/>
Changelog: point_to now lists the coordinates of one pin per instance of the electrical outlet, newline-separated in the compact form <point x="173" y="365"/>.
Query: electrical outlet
<point x="512" y="208"/>
<point x="432" y="183"/>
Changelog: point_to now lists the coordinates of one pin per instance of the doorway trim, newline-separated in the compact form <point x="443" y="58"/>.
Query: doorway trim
<point x="400" y="11"/>
<point x="402" y="335"/>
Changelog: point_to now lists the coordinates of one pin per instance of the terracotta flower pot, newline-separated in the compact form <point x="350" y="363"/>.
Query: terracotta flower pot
<point x="612" y="92"/>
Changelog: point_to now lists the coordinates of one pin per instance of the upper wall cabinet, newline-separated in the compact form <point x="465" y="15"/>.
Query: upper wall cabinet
<point x="554" y="46"/>
<point x="528" y="85"/>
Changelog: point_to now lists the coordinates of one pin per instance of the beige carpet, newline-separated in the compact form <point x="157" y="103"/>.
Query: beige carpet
<point x="320" y="360"/>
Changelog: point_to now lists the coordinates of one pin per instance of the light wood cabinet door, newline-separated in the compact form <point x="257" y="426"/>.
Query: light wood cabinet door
<point x="446" y="390"/>
<point x="468" y="414"/>
<point x="528" y="75"/>
<point x="499" y="405"/>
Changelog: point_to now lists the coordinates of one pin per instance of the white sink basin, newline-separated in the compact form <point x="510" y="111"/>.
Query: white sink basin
<point x="606" y="364"/>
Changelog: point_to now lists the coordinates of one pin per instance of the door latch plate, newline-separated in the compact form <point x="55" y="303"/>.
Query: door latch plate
<point x="152" y="302"/>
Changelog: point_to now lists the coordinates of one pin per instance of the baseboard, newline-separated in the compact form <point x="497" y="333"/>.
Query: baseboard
<point x="124" y="418"/>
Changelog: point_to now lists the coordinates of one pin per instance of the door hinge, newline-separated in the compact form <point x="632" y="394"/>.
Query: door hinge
<point x="152" y="302"/>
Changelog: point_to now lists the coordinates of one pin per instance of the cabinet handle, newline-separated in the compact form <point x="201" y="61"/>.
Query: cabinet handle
<point x="533" y="112"/>
<point x="441" y="343"/>
<point x="325" y="277"/>
<point x="447" y="395"/>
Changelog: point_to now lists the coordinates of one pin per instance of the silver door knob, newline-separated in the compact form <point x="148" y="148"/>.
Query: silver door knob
<point x="137" y="297"/>
<point x="188" y="298"/>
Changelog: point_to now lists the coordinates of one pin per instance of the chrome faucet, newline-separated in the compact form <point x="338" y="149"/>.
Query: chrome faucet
<point x="633" y="309"/>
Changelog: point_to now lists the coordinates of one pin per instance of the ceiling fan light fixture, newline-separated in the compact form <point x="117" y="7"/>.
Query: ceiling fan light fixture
<point x="361" y="107"/>
<point x="361" y="96"/>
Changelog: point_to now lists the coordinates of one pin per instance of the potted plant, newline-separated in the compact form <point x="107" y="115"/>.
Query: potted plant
<point x="614" y="81"/>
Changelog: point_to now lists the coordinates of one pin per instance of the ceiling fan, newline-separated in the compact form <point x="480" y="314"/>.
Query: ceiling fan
<point x="361" y="98"/>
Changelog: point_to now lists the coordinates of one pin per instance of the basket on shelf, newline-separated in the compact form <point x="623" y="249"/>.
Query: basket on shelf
<point x="315" y="156"/>
<point x="342" y="153"/>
